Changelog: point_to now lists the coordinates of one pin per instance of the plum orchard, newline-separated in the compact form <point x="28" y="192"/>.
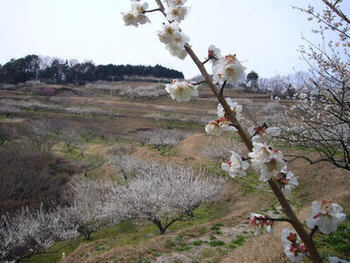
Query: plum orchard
<point x="264" y="157"/>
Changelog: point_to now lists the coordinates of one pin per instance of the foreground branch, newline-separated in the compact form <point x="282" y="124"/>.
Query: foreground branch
<point x="272" y="182"/>
<point x="231" y="116"/>
<point x="246" y="139"/>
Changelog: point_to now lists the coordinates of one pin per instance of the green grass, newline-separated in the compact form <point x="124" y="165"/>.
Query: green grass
<point x="164" y="150"/>
<point x="179" y="124"/>
<point x="239" y="241"/>
<point x="250" y="182"/>
<point x="335" y="244"/>
<point x="3" y="117"/>
<point x="127" y="233"/>
<point x="216" y="243"/>
<point x="214" y="169"/>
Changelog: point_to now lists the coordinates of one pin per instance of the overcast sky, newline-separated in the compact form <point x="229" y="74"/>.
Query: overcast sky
<point x="265" y="34"/>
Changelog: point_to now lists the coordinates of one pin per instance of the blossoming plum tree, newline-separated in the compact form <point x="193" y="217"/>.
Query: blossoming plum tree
<point x="319" y="119"/>
<point x="265" y="158"/>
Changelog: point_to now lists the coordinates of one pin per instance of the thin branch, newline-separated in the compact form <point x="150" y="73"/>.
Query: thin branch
<point x="198" y="83"/>
<point x="259" y="129"/>
<point x="205" y="61"/>
<point x="152" y="10"/>
<point x="161" y="7"/>
<point x="336" y="10"/>
<point x="295" y="157"/>
<point x="275" y="219"/>
<point x="231" y="116"/>
<point x="313" y="231"/>
<point x="222" y="88"/>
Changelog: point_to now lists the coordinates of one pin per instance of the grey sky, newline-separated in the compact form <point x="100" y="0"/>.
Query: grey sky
<point x="263" y="33"/>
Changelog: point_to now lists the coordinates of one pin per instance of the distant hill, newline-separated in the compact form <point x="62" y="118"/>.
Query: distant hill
<point x="55" y="70"/>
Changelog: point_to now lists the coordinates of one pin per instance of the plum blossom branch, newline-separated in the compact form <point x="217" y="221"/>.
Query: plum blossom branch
<point x="336" y="10"/>
<point x="205" y="61"/>
<point x="199" y="82"/>
<point x="265" y="218"/>
<point x="228" y="68"/>
<point x="223" y="87"/>
<point x="152" y="10"/>
<point x="295" y="157"/>
<point x="313" y="231"/>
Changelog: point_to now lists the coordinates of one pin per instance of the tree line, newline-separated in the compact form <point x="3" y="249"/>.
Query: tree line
<point x="33" y="67"/>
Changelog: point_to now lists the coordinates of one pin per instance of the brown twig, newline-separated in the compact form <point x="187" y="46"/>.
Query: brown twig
<point x="152" y="10"/>
<point x="198" y="83"/>
<point x="337" y="11"/>
<point x="222" y="88"/>
<point x="205" y="61"/>
<point x="313" y="231"/>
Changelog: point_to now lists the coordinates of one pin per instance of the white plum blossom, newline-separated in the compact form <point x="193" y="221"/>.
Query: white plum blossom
<point x="228" y="68"/>
<point x="136" y="16"/>
<point x="287" y="181"/>
<point x="337" y="260"/>
<point x="267" y="160"/>
<point x="261" y="224"/>
<point x="221" y="127"/>
<point x="175" y="2"/>
<point x="214" y="53"/>
<point x="181" y="90"/>
<point x="176" y="13"/>
<point x="302" y="96"/>
<point x="234" y="106"/>
<point x="292" y="246"/>
<point x="172" y="36"/>
<point x="263" y="133"/>
<point x="236" y="165"/>
<point x="213" y="128"/>
<point x="326" y="216"/>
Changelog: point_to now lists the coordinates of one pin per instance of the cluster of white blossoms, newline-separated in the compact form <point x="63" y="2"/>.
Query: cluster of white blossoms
<point x="261" y="224"/>
<point x="181" y="91"/>
<point x="175" y="2"/>
<point x="236" y="109"/>
<point x="171" y="34"/>
<point x="214" y="53"/>
<point x="326" y="216"/>
<point x="174" y="39"/>
<point x="267" y="160"/>
<point x="236" y="165"/>
<point x="176" y="12"/>
<point x="221" y="127"/>
<point x="287" y="181"/>
<point x="136" y="16"/>
<point x="228" y="69"/>
<point x="263" y="133"/>
<point x="294" y="249"/>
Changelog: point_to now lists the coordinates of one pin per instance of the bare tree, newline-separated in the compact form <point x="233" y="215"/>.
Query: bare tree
<point x="91" y="162"/>
<point x="162" y="137"/>
<point x="6" y="133"/>
<point x="70" y="139"/>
